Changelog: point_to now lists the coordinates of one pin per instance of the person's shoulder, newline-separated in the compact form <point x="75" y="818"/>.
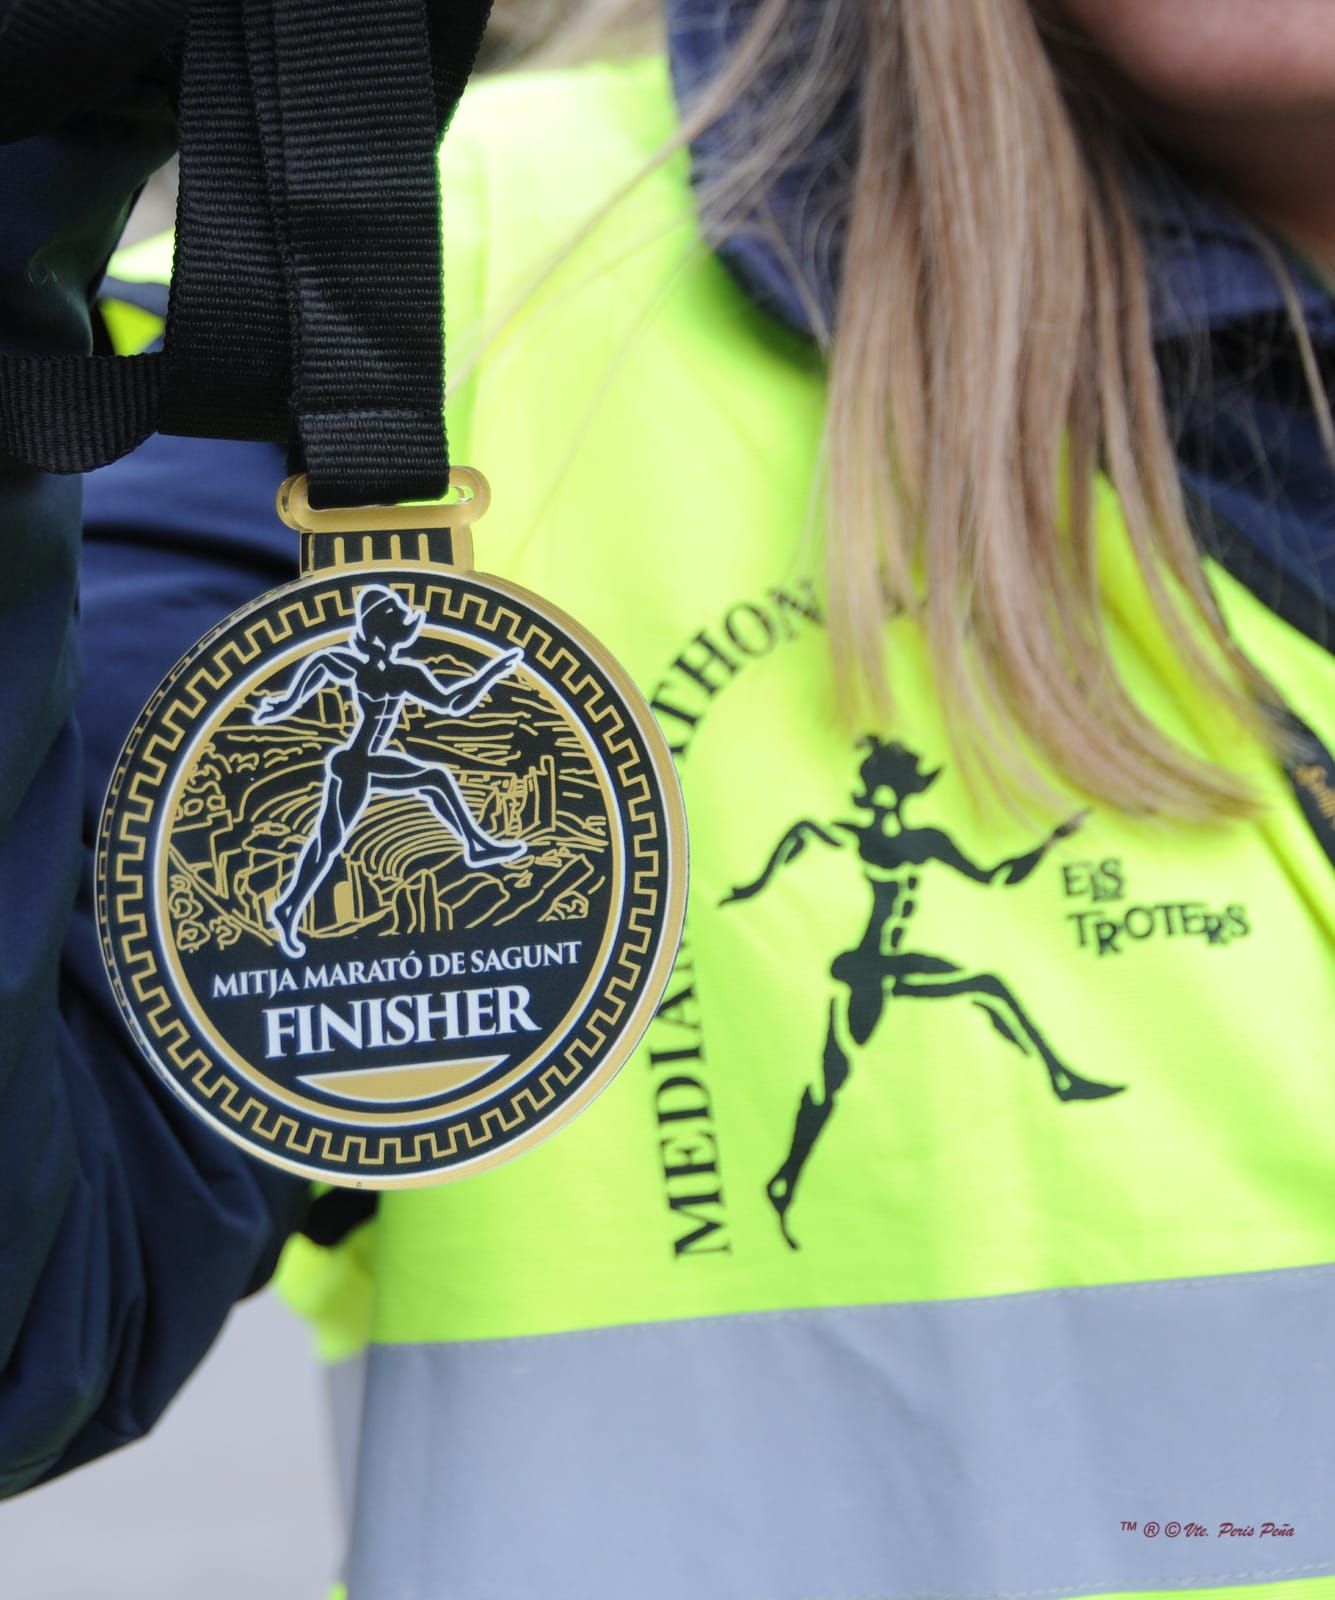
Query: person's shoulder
<point x="604" y="111"/>
<point x="532" y="161"/>
<point x="541" y="148"/>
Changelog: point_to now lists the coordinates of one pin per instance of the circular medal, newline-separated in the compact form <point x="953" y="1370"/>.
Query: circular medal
<point x="391" y="872"/>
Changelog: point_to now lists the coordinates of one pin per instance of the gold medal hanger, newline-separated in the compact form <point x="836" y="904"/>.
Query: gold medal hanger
<point x="438" y="533"/>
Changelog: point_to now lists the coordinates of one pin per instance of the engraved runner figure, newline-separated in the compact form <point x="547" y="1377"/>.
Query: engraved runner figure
<point x="878" y="968"/>
<point x="380" y="683"/>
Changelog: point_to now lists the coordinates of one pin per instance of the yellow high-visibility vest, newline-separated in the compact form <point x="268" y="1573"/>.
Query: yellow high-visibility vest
<point x="964" y="1225"/>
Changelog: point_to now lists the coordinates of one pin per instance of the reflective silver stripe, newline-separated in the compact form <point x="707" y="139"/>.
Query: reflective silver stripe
<point x="346" y="1388"/>
<point x="962" y="1448"/>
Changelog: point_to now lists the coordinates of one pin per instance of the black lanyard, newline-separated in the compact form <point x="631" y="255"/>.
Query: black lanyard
<point x="306" y="302"/>
<point x="1309" y="765"/>
<point x="1312" y="773"/>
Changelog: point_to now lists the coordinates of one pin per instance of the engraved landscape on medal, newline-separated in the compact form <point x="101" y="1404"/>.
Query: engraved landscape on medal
<point x="393" y="873"/>
<point x="499" y="813"/>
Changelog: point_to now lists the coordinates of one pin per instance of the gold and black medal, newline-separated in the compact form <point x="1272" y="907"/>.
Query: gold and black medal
<point x="392" y="868"/>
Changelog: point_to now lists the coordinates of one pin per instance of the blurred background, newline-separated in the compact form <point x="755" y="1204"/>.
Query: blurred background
<point x="232" y="1495"/>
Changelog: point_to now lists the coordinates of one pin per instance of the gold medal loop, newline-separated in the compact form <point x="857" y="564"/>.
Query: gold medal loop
<point x="453" y="517"/>
<point x="295" y="509"/>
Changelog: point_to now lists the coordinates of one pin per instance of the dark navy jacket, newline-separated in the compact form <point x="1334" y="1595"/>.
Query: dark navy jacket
<point x="127" y="1228"/>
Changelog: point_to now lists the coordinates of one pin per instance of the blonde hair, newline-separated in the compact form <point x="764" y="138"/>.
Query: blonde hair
<point x="990" y="353"/>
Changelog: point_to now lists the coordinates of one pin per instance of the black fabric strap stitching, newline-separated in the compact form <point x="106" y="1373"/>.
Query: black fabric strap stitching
<point x="346" y="218"/>
<point x="228" y="348"/>
<point x="71" y="413"/>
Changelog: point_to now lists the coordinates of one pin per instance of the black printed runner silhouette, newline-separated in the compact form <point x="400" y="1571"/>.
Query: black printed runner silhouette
<point x="379" y="683"/>
<point x="878" y="968"/>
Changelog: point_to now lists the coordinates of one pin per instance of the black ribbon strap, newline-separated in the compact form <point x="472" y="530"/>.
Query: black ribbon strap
<point x="1312" y="773"/>
<point x="72" y="413"/>
<point x="227" y="345"/>
<point x="306" y="301"/>
<point x="347" y="120"/>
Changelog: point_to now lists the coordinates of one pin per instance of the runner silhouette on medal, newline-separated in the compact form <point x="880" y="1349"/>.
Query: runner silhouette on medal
<point x="877" y="968"/>
<point x="379" y="683"/>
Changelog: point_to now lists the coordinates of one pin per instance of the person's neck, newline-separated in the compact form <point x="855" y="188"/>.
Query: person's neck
<point x="1276" y="170"/>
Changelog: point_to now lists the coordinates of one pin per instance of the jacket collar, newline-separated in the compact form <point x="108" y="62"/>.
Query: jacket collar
<point x="1206" y="271"/>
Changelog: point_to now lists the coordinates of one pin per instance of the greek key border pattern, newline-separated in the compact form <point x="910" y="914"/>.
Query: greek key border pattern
<point x="130" y="955"/>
